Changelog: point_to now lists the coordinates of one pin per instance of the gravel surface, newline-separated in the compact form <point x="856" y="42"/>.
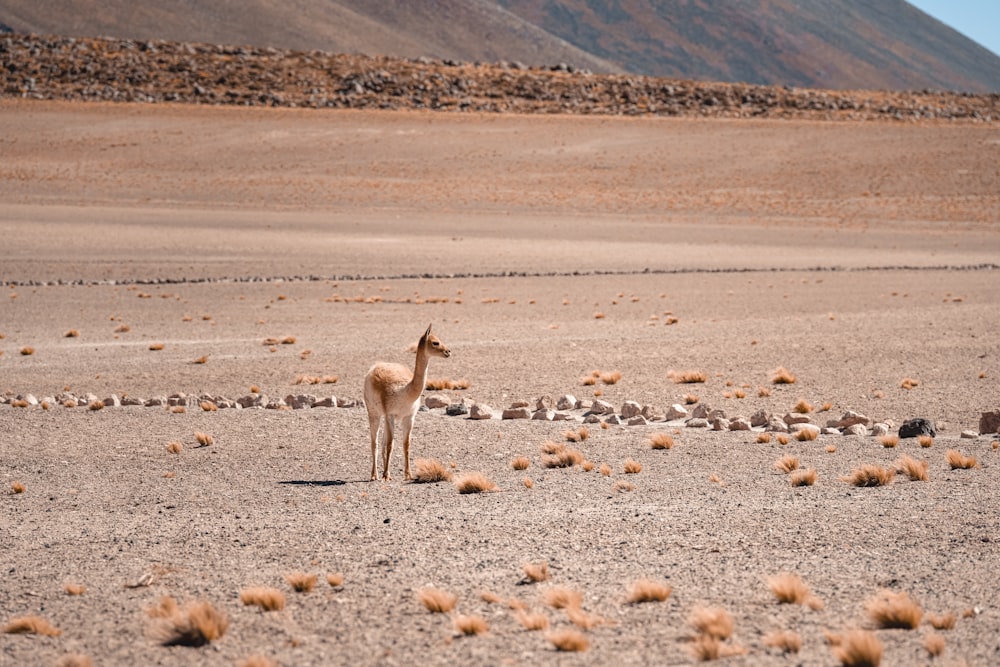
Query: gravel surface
<point x="773" y="258"/>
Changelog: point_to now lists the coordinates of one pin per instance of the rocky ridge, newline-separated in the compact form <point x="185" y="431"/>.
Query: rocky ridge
<point x="116" y="70"/>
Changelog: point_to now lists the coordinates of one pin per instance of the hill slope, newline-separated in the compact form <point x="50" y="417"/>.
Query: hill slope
<point x="815" y="43"/>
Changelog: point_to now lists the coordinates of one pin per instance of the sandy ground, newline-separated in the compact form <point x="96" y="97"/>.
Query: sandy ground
<point x="855" y="255"/>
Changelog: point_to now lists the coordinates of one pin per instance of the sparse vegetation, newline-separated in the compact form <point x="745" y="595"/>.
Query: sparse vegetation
<point x="536" y="572"/>
<point x="803" y="407"/>
<point x="763" y="438"/>
<point x="436" y="600"/>
<point x="705" y="648"/>
<point x="871" y="475"/>
<point x="532" y="621"/>
<point x="268" y="599"/>
<point x="72" y="333"/>
<point x="430" y="471"/>
<point x="31" y="625"/>
<point x="661" y="441"/>
<point x="610" y="377"/>
<point x="561" y="456"/>
<point x="687" y="377"/>
<point x="888" y="609"/>
<point x="942" y="622"/>
<point x="789" y="588"/>
<point x="632" y="467"/>
<point x="913" y="468"/>
<point x="786" y="641"/>
<point x="27" y="351"/>
<point x="782" y="438"/>
<point x="569" y="640"/>
<point x="17" y="487"/>
<point x="802" y="477"/>
<point x="474" y="482"/>
<point x="807" y="434"/>
<point x="787" y="463"/>
<point x="646" y="590"/>
<point x="335" y="580"/>
<point x="204" y="439"/>
<point x="560" y="597"/>
<point x="301" y="582"/>
<point x="909" y="383"/>
<point x="782" y="376"/>
<point x="470" y="625"/>
<point x="857" y="648"/>
<point x="156" y="347"/>
<point x="958" y="461"/>
<point x="520" y="463"/>
<point x="74" y="589"/>
<point x="441" y="384"/>
<point x="690" y="399"/>
<point x="198" y="624"/>
<point x="889" y="441"/>
<point x="925" y="441"/>
<point x="579" y="435"/>
<point x="711" y="621"/>
<point x="209" y="406"/>
<point x="934" y="644"/>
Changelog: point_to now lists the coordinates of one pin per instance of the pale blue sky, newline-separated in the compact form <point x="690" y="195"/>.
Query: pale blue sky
<point x="976" y="19"/>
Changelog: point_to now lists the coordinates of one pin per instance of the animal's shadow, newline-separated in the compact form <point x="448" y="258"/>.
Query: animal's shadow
<point x="315" y="482"/>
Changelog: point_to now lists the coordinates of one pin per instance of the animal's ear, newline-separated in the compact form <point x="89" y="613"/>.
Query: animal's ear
<point x="428" y="332"/>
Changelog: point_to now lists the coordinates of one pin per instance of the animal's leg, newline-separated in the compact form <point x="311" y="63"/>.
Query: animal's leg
<point x="373" y="426"/>
<point x="389" y="428"/>
<point x="407" y="429"/>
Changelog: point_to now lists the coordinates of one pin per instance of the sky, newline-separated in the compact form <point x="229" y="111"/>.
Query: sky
<point x="976" y="19"/>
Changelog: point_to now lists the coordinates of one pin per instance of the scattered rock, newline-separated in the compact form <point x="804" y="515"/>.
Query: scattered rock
<point x="433" y="401"/>
<point x="718" y="413"/>
<point x="829" y="430"/>
<point x="630" y="409"/>
<point x="562" y="417"/>
<point x="518" y="404"/>
<point x="456" y="409"/>
<point x="795" y="418"/>
<point x="613" y="419"/>
<point x="30" y="399"/>
<point x="880" y="429"/>
<point x="650" y="413"/>
<point x="480" y="411"/>
<point x="566" y="402"/>
<point x="516" y="413"/>
<point x="300" y="401"/>
<point x="599" y="407"/>
<point x="856" y="429"/>
<point x="700" y="411"/>
<point x="155" y="402"/>
<point x="760" y="418"/>
<point x="719" y="424"/>
<point x="850" y="418"/>
<point x="989" y="422"/>
<point x="131" y="400"/>
<point x="544" y="415"/>
<point x="543" y="403"/>
<point x="918" y="426"/>
<point x="697" y="422"/>
<point x="970" y="435"/>
<point x="776" y="425"/>
<point x="802" y="426"/>
<point x="112" y="401"/>
<point x="638" y="420"/>
<point x="348" y="402"/>
<point x="739" y="424"/>
<point x="591" y="419"/>
<point x="325" y="402"/>
<point x="677" y="411"/>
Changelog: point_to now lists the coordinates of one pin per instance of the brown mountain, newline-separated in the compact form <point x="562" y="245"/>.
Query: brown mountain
<point x="816" y="43"/>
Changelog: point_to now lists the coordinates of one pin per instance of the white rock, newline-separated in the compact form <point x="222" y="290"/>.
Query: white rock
<point x="760" y="418"/>
<point x="638" y="420"/>
<point x="971" y="435"/>
<point x="795" y="428"/>
<point x="739" y="424"/>
<point x="325" y="402"/>
<point x="480" y="411"/>
<point x="630" y="409"/>
<point x="112" y="401"/>
<point x="543" y="415"/>
<point x="599" y="407"/>
<point x="566" y="402"/>
<point x="720" y="424"/>
<point x="856" y="429"/>
<point x="613" y="419"/>
<point x="30" y="399"/>
<point x="433" y="401"/>
<point x="880" y="429"/>
<point x="516" y="413"/>
<point x="827" y="430"/>
<point x="583" y="404"/>
<point x="697" y="422"/>
<point x="677" y="411"/>
<point x="850" y="418"/>
<point x="795" y="418"/>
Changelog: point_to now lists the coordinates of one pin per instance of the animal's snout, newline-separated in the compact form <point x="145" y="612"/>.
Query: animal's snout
<point x="447" y="352"/>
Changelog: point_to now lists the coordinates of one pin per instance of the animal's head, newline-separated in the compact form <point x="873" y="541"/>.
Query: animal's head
<point x="433" y="345"/>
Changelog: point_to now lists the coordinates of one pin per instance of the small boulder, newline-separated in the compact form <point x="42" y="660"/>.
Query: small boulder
<point x="158" y="401"/>
<point x="970" y="435"/>
<point x="918" y="426"/>
<point x="433" y="401"/>
<point x="112" y="401"/>
<point x="543" y="403"/>
<point x="543" y="415"/>
<point x="677" y="411"/>
<point x="456" y="409"/>
<point x="856" y="429"/>
<point x="325" y="402"/>
<point x="650" y="413"/>
<point x="566" y="402"/>
<point x="796" y="418"/>
<point x="480" y="411"/>
<point x="518" y="404"/>
<point x="348" y="402"/>
<point x="760" y="418"/>
<point x="131" y="400"/>
<point x="776" y="425"/>
<point x="739" y="424"/>
<point x="989" y="422"/>
<point x="562" y="417"/>
<point x="630" y="409"/>
<point x="829" y="430"/>
<point x="697" y="422"/>
<point x="700" y="411"/>
<point x="850" y="418"/>
<point x="591" y="419"/>
<point x="600" y="407"/>
<point x="638" y="420"/>
<point x="880" y="429"/>
<point x="795" y="428"/>
<point x="516" y="413"/>
<point x="720" y="424"/>
<point x="613" y="419"/>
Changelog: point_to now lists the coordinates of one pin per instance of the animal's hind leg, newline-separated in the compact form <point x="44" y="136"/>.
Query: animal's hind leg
<point x="373" y="425"/>
<point x="387" y="451"/>
<point x="407" y="429"/>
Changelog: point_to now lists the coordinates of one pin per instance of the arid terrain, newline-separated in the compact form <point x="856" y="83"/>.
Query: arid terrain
<point x="172" y="241"/>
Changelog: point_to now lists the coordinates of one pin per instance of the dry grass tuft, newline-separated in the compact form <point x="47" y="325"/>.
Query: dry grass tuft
<point x="470" y="625"/>
<point x="782" y="376"/>
<point x="622" y="487"/>
<point x="942" y="622"/>
<point x="19" y="403"/>
<point x="763" y="392"/>
<point x="611" y="377"/>
<point x="830" y="449"/>
<point x="806" y="435"/>
<point x="802" y="477"/>
<point x="568" y="640"/>
<point x="894" y="610"/>
<point x="336" y="580"/>
<point x="203" y="359"/>
<point x="527" y="483"/>
<point x="474" y="482"/>
<point x="27" y="351"/>
<point x="705" y="648"/>
<point x="209" y="406"/>
<point x="582" y="619"/>
<point x="560" y="597"/>
<point x="562" y="457"/>
<point x="175" y="447"/>
<point x="72" y="333"/>
<point x="646" y="590"/>
<point x="268" y="599"/>
<point x="789" y="588"/>
<point x="858" y="648"/>
<point x="605" y="470"/>
<point x="632" y="467"/>
<point x="520" y="463"/>
<point x="925" y="441"/>
<point x="803" y="407"/>
<point x="914" y="469"/>
<point x="763" y="438"/>
<point x="782" y="438"/>
<point x="588" y="381"/>
<point x="75" y="660"/>
<point x="156" y="347"/>
<point x="31" y="625"/>
<point x="687" y="377"/>
<point x="661" y="441"/>
<point x="787" y="463"/>
<point x="440" y="384"/>
<point x="532" y="621"/>
<point x="711" y="621"/>
<point x="786" y="641"/>
<point x="934" y="644"/>
<point x="74" y="589"/>
<point x="909" y="383"/>
<point x="257" y="661"/>
<point x="204" y="439"/>
<point x="577" y="436"/>
<point x="165" y="608"/>
<point x="95" y="406"/>
<point x="690" y="399"/>
<point x="17" y="487"/>
<point x="871" y="475"/>
<point x="958" y="461"/>
<point x="889" y="441"/>
<point x="436" y="600"/>
<point x="288" y="340"/>
<point x="536" y="572"/>
<point x="198" y="624"/>
<point x="429" y="471"/>
<point x="300" y="581"/>
<point x="598" y="315"/>
<point x="587" y="466"/>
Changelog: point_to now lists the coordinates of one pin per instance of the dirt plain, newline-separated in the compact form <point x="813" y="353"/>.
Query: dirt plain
<point x="855" y="254"/>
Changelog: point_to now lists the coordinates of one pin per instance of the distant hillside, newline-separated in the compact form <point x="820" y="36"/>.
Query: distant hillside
<point x="839" y="44"/>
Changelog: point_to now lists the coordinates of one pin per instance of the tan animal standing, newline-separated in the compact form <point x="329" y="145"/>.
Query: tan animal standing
<point x="392" y="393"/>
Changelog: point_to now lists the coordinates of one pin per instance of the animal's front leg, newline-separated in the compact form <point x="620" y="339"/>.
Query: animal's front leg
<point x="407" y="429"/>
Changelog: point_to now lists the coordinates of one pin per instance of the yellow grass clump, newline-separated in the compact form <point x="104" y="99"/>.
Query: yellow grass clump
<point x="532" y="621"/>
<point x="705" y="648"/>
<point x="470" y="625"/>
<point x="27" y="351"/>
<point x="301" y="582"/>
<point x="520" y="463"/>
<point x="894" y="610"/>
<point x="257" y="661"/>
<point x="204" y="439"/>
<point x="536" y="572"/>
<point x="560" y="597"/>
<point x="209" y="406"/>
<point x="711" y="621"/>
<point x="72" y="333"/>
<point x="803" y="407"/>
<point x="942" y="622"/>
<point x="175" y="447"/>
<point x="429" y="471"/>
<point x="934" y="644"/>
<point x="582" y="619"/>
<point x="789" y="588"/>
<point x="335" y="580"/>
<point x="763" y="438"/>
<point x="871" y="475"/>
<point x="763" y="392"/>
<point x="661" y="441"/>
<point x="610" y="377"/>
<point x="632" y="467"/>
<point x="889" y="441"/>
<point x="156" y="347"/>
<point x="909" y="383"/>
<point x="806" y="435"/>
<point x="782" y="438"/>
<point x="527" y="483"/>
<point x="474" y="482"/>
<point x="646" y="590"/>
<point x="687" y="377"/>
<point x="268" y="599"/>
<point x="787" y="641"/>
<point x="787" y="463"/>
<point x="441" y="384"/>
<point x="436" y="600"/>
<point x="857" y="648"/>
<point x="561" y="456"/>
<point x="587" y="466"/>
<point x="17" y="487"/>
<point x="196" y="625"/>
<point x="802" y="477"/>
<point x="31" y="625"/>
<point x="95" y="406"/>
<point x="569" y="640"/>
<point x="604" y="469"/>
<point x="925" y="441"/>
<point x="74" y="589"/>
<point x="782" y="376"/>
<point x="622" y="487"/>
<point x="958" y="461"/>
<point x="690" y="399"/>
<point x="577" y="436"/>
<point x="203" y="359"/>
<point x="588" y="381"/>
<point x="913" y="468"/>
<point x="75" y="660"/>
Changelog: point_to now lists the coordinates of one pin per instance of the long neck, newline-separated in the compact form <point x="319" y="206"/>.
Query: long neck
<point x="419" y="380"/>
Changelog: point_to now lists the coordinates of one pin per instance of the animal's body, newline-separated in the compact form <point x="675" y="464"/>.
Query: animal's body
<point x="392" y="398"/>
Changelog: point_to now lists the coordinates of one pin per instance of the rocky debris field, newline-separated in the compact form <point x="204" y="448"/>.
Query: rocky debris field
<point x="58" y="68"/>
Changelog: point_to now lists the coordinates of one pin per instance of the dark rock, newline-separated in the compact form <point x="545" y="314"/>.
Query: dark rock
<point x="456" y="410"/>
<point x="989" y="422"/>
<point x="913" y="428"/>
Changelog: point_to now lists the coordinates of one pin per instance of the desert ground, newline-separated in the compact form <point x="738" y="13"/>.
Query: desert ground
<point x="541" y="248"/>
